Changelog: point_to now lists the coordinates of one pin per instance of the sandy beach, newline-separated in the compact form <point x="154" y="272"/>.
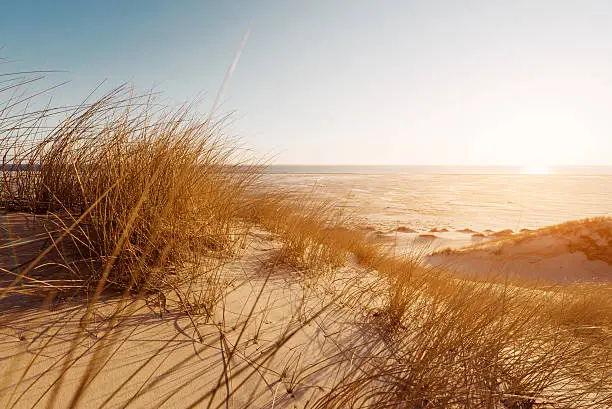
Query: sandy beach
<point x="484" y="203"/>
<point x="305" y="205"/>
<point x="280" y="336"/>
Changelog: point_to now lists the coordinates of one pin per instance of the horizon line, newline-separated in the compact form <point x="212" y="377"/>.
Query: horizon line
<point x="437" y="165"/>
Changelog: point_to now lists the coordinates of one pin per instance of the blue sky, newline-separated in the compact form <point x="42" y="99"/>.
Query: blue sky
<point x="351" y="82"/>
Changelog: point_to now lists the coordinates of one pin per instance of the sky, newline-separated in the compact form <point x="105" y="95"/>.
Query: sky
<point x="349" y="82"/>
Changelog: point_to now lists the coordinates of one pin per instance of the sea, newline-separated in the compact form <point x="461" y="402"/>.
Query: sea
<point x="479" y="198"/>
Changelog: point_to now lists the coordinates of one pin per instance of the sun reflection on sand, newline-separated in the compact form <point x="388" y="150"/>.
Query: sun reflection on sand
<point x="535" y="170"/>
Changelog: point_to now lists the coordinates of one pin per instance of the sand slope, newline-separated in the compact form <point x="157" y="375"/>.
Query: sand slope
<point x="285" y="330"/>
<point x="570" y="252"/>
<point x="281" y="337"/>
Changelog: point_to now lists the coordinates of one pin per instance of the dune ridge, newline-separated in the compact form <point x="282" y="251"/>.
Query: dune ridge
<point x="578" y="250"/>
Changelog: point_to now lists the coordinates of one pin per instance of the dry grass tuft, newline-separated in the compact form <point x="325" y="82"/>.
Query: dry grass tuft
<point x="313" y="234"/>
<point x="458" y="343"/>
<point x="140" y="195"/>
<point x="592" y="236"/>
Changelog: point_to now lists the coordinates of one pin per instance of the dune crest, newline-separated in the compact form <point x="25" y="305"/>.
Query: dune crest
<point x="578" y="250"/>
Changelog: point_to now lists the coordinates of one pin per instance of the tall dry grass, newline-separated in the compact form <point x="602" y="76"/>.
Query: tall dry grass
<point x="455" y="342"/>
<point x="132" y="198"/>
<point x="140" y="195"/>
<point x="311" y="231"/>
<point x="139" y="200"/>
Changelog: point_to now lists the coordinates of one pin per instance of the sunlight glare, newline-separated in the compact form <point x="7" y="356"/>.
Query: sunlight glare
<point x="535" y="170"/>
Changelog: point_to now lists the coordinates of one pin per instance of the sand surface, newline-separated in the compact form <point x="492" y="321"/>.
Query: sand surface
<point x="578" y="251"/>
<point x="480" y="214"/>
<point x="281" y="336"/>
<point x="153" y="357"/>
<point x="457" y="202"/>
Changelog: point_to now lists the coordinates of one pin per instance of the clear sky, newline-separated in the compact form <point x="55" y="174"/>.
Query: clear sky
<point x="351" y="82"/>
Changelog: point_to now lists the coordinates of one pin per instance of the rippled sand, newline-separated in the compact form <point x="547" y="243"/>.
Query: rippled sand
<point x="468" y="206"/>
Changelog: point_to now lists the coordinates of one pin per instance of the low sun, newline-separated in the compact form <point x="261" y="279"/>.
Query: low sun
<point x="535" y="170"/>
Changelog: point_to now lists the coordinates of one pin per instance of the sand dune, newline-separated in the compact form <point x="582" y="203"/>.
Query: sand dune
<point x="299" y="337"/>
<point x="569" y="252"/>
<point x="171" y="359"/>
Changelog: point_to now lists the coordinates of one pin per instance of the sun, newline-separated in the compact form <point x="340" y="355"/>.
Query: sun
<point x="535" y="170"/>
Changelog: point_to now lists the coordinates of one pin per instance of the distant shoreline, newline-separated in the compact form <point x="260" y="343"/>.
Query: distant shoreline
<point x="435" y="170"/>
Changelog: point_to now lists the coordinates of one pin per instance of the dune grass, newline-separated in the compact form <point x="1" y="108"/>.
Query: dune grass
<point x="137" y="194"/>
<point x="138" y="202"/>
<point x="591" y="236"/>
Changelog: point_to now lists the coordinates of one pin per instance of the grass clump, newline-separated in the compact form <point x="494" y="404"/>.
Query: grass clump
<point x="312" y="232"/>
<point x="139" y="194"/>
<point x="592" y="236"/>
<point x="463" y="344"/>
